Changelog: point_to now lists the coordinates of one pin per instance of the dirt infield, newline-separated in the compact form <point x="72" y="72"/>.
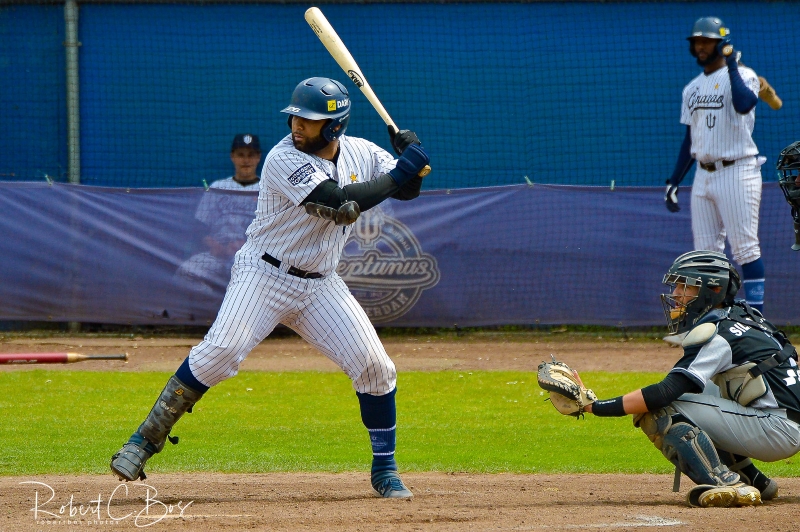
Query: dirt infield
<point x="322" y="502"/>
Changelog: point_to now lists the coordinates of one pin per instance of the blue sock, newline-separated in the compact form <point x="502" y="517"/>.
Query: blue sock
<point x="185" y="375"/>
<point x="379" y="415"/>
<point x="753" y="283"/>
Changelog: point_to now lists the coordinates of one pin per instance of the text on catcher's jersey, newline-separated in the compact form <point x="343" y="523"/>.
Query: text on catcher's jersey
<point x="735" y="344"/>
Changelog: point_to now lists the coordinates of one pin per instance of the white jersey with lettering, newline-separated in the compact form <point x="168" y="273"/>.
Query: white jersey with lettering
<point x="726" y="196"/>
<point x="718" y="131"/>
<point x="321" y="310"/>
<point x="282" y="227"/>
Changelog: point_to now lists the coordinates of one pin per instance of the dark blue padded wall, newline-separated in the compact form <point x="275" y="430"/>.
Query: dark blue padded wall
<point x="576" y="93"/>
<point x="33" y="131"/>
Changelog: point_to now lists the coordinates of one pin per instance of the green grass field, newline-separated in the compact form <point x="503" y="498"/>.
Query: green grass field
<point x="69" y="422"/>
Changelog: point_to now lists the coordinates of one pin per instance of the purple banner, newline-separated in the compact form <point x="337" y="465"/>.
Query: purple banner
<point x="520" y="255"/>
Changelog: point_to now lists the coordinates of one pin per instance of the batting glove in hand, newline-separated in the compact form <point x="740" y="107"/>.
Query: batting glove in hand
<point x="402" y="139"/>
<point x="409" y="164"/>
<point x="671" y="198"/>
<point x="725" y="49"/>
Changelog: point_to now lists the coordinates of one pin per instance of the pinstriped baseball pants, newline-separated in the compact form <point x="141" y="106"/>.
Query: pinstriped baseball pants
<point x="322" y="311"/>
<point x="726" y="203"/>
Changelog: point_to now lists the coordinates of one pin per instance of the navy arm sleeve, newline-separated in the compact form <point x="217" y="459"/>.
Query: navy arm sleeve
<point x="366" y="194"/>
<point x="661" y="394"/>
<point x="409" y="190"/>
<point x="742" y="97"/>
<point x="685" y="160"/>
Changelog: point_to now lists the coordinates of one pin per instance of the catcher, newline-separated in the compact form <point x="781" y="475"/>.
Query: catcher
<point x="733" y="396"/>
<point x="789" y="172"/>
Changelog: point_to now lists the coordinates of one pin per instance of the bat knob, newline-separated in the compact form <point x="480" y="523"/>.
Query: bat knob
<point x="425" y="171"/>
<point x="727" y="50"/>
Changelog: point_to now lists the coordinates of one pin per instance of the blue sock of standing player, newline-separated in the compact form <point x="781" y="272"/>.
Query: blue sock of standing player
<point x="379" y="415"/>
<point x="753" y="273"/>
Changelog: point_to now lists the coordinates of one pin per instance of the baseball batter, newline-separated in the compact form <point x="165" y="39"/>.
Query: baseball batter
<point x="733" y="396"/>
<point x="314" y="184"/>
<point x="718" y="110"/>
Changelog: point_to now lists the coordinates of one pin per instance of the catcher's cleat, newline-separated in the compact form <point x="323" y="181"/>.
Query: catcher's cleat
<point x="764" y="484"/>
<point x="707" y="496"/>
<point x="387" y="484"/>
<point x="128" y="463"/>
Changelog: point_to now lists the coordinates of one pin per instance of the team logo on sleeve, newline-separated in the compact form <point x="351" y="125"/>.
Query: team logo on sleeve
<point x="384" y="266"/>
<point x="302" y="175"/>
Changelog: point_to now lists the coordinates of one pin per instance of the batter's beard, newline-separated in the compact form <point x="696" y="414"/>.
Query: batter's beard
<point x="311" y="145"/>
<point x="710" y="59"/>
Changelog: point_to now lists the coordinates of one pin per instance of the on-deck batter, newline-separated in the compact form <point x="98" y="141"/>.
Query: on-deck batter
<point x="718" y="110"/>
<point x="733" y="396"/>
<point x="314" y="184"/>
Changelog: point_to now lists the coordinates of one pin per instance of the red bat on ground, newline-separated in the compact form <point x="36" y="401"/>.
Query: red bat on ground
<point x="54" y="358"/>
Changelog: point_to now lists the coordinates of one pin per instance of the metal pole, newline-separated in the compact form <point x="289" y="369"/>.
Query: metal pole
<point x="73" y="91"/>
<point x="71" y="45"/>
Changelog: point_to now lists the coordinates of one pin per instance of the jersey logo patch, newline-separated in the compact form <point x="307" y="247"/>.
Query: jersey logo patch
<point x="302" y="175"/>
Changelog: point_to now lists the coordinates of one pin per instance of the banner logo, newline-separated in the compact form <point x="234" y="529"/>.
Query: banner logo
<point x="384" y="266"/>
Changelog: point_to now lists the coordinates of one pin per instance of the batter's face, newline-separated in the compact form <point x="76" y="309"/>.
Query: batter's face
<point x="245" y="161"/>
<point x="307" y="135"/>
<point x="705" y="49"/>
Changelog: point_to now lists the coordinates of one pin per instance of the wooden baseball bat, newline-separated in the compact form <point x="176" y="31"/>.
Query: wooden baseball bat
<point x="54" y="358"/>
<point x="330" y="39"/>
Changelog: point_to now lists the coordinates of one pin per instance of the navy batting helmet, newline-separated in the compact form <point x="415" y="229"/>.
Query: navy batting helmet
<point x="711" y="28"/>
<point x="707" y="271"/>
<point x="322" y="99"/>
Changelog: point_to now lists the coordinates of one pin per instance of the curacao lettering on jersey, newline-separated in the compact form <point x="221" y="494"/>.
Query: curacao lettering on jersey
<point x="718" y="131"/>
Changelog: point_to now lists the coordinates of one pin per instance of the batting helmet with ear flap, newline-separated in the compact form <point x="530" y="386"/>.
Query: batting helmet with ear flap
<point x="717" y="282"/>
<point x="711" y="28"/>
<point x="321" y="99"/>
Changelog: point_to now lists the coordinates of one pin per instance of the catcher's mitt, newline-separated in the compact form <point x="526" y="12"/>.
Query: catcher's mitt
<point x="567" y="392"/>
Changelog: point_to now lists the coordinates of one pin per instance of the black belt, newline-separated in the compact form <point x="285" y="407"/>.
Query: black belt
<point x="297" y="272"/>
<point x="712" y="167"/>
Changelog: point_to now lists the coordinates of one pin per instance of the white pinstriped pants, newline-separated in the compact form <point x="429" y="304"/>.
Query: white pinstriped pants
<point x="726" y="203"/>
<point x="322" y="311"/>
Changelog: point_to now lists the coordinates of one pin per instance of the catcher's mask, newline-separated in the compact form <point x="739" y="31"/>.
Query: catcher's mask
<point x="321" y="99"/>
<point x="711" y="28"/>
<point x="788" y="171"/>
<point x="699" y="281"/>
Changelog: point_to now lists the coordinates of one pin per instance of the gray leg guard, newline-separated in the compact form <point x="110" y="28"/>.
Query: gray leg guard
<point x="175" y="400"/>
<point x="693" y="452"/>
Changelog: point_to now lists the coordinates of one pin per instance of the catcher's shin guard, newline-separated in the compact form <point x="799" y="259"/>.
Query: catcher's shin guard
<point x="175" y="400"/>
<point x="694" y="454"/>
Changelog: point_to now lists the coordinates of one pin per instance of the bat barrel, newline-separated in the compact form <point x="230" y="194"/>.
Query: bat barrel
<point x="55" y="358"/>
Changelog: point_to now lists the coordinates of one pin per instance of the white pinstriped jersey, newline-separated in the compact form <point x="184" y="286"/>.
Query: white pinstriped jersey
<point x="718" y="131"/>
<point x="282" y="227"/>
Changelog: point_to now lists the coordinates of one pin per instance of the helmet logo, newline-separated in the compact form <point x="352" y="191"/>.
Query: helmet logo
<point x="291" y="109"/>
<point x="713" y="281"/>
<point x="724" y="31"/>
<point x="331" y="105"/>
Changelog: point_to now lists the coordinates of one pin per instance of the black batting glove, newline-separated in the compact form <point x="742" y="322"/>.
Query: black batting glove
<point x="671" y="198"/>
<point x="402" y="139"/>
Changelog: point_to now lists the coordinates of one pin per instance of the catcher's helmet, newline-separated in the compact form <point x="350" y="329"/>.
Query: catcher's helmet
<point x="788" y="172"/>
<point x="321" y="99"/>
<point x="705" y="270"/>
<point x="789" y="179"/>
<point x="711" y="28"/>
